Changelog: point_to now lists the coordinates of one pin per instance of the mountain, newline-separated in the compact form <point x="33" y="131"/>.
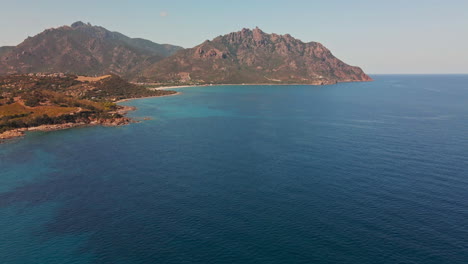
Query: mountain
<point x="247" y="56"/>
<point x="252" y="56"/>
<point x="82" y="49"/>
<point x="5" y="49"/>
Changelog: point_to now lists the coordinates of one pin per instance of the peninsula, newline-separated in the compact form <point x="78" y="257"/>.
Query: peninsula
<point x="45" y="102"/>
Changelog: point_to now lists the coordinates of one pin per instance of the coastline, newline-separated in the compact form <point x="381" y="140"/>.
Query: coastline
<point x="174" y="87"/>
<point x="249" y="84"/>
<point x="130" y="99"/>
<point x="21" y="132"/>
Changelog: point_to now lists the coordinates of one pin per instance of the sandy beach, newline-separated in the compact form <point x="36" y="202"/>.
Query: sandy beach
<point x="129" y="99"/>
<point x="174" y="87"/>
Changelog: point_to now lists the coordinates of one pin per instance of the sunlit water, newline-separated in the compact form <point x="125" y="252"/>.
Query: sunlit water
<point x="349" y="173"/>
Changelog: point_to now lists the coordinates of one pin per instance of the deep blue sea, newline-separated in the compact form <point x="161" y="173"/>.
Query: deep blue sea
<point x="351" y="173"/>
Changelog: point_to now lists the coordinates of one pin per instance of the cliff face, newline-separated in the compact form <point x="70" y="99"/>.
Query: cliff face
<point x="252" y="56"/>
<point x="82" y="49"/>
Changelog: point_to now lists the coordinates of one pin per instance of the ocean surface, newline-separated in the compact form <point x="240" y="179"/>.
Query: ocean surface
<point x="350" y="173"/>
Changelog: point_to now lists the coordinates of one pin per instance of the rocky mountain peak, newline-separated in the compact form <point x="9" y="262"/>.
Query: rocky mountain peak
<point x="253" y="56"/>
<point x="82" y="48"/>
<point x="79" y="24"/>
<point x="258" y="35"/>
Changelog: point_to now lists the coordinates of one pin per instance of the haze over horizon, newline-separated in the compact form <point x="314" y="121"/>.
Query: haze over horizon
<point x="421" y="37"/>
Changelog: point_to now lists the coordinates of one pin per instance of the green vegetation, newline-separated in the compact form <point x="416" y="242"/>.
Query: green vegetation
<point x="114" y="88"/>
<point x="38" y="99"/>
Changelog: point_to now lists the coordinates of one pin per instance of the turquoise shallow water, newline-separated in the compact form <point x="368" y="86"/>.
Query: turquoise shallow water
<point x="349" y="173"/>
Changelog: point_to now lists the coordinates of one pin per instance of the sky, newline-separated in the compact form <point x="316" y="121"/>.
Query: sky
<point x="382" y="37"/>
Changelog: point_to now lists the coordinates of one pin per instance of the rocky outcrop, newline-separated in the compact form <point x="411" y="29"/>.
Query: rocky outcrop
<point x="15" y="133"/>
<point x="201" y="53"/>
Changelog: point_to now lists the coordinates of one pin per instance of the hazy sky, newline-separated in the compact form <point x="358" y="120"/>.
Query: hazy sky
<point x="392" y="36"/>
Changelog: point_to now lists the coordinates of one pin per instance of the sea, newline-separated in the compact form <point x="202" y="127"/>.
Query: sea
<point x="373" y="172"/>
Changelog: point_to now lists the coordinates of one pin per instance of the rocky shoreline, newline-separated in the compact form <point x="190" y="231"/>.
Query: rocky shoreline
<point x="20" y="132"/>
<point x="120" y="121"/>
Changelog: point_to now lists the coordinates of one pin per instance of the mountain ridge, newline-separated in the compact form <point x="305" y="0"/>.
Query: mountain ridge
<point x="82" y="49"/>
<point x="253" y="56"/>
<point x="246" y="56"/>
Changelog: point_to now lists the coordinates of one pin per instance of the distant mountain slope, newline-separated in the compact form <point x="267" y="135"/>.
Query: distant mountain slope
<point x="83" y="49"/>
<point x="252" y="56"/>
<point x="5" y="49"/>
<point x="247" y="56"/>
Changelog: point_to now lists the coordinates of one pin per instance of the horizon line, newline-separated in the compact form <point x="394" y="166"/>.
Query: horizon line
<point x="417" y="73"/>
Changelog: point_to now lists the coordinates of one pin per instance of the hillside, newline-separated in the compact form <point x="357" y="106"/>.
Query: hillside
<point x="5" y="49"/>
<point x="246" y="56"/>
<point x="82" y="49"/>
<point x="252" y="56"/>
